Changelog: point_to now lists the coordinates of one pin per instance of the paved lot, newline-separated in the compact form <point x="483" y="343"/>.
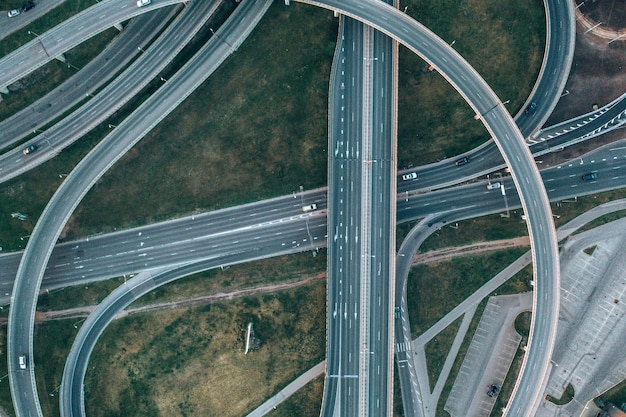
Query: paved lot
<point x="489" y="356"/>
<point x="590" y="350"/>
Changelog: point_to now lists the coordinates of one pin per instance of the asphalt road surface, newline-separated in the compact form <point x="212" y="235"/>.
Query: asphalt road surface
<point x="127" y="85"/>
<point x="86" y="173"/>
<point x="135" y="36"/>
<point x="73" y="31"/>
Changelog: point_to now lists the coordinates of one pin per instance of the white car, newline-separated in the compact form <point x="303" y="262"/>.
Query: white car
<point x="409" y="176"/>
<point x="493" y="185"/>
<point x="14" y="12"/>
<point x="23" y="362"/>
<point x="141" y="3"/>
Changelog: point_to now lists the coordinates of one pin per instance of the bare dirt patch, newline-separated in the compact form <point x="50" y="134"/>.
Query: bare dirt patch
<point x="611" y="13"/>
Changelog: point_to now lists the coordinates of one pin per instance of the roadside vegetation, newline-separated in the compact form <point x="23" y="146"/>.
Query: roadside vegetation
<point x="437" y="349"/>
<point x="307" y="402"/>
<point x="459" y="360"/>
<point x="616" y="395"/>
<point x="434" y="122"/>
<point x="568" y="395"/>
<point x="522" y="327"/>
<point x="39" y="82"/>
<point x="435" y="289"/>
<point x="191" y="361"/>
<point x="285" y="268"/>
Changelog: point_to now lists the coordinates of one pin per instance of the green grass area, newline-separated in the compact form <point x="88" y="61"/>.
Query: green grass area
<point x="398" y="408"/>
<point x="245" y="134"/>
<point x="5" y="392"/>
<point x="518" y="283"/>
<point x="481" y="229"/>
<point x="249" y="115"/>
<point x="440" y="412"/>
<point x="607" y="218"/>
<point x="616" y="395"/>
<point x="568" y="395"/>
<point x="435" y="289"/>
<point x="191" y="361"/>
<point x="273" y="270"/>
<point x="437" y="350"/>
<point x="306" y="402"/>
<point x="434" y="122"/>
<point x="53" y="341"/>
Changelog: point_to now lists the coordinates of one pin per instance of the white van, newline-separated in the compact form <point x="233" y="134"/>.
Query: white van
<point x="23" y="362"/>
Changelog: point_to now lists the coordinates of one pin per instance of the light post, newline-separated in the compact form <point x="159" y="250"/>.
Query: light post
<point x="30" y="32"/>
<point x="78" y="322"/>
<point x="62" y="175"/>
<point x="24" y="237"/>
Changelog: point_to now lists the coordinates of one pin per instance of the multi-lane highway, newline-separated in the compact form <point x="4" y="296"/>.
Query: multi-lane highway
<point x="62" y="38"/>
<point x="469" y="200"/>
<point x="285" y="236"/>
<point x="135" y="36"/>
<point x="497" y="122"/>
<point x="86" y="173"/>
<point x="127" y="85"/>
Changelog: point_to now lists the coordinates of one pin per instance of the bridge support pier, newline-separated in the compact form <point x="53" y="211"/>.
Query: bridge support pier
<point x="118" y="26"/>
<point x="60" y="57"/>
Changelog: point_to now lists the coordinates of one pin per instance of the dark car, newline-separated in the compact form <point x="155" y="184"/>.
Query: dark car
<point x="462" y="161"/>
<point x="29" y="149"/>
<point x="397" y="312"/>
<point x="27" y="6"/>
<point x="493" y="390"/>
<point x="590" y="176"/>
<point x="531" y="108"/>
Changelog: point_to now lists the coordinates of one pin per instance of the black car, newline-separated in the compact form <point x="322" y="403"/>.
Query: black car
<point x="493" y="390"/>
<point x="462" y="161"/>
<point x="531" y="108"/>
<point x="29" y="149"/>
<point x="590" y="176"/>
<point x="27" y="6"/>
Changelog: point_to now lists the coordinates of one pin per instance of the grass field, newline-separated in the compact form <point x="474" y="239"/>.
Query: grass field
<point x="459" y="360"/>
<point x="437" y="350"/>
<point x="616" y="395"/>
<point x="280" y="269"/>
<point x="249" y="115"/>
<point x="435" y="289"/>
<point x="307" y="402"/>
<point x="434" y="122"/>
<point x="191" y="361"/>
<point x="480" y="229"/>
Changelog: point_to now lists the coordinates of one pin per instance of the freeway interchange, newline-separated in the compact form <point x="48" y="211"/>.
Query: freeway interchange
<point x="373" y="162"/>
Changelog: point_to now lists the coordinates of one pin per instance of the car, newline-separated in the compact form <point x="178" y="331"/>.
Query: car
<point x="462" y="161"/>
<point x="29" y="149"/>
<point x="409" y="176"/>
<point x="493" y="185"/>
<point x="310" y="207"/>
<point x="397" y="311"/>
<point x="27" y="6"/>
<point x="23" y="362"/>
<point x="141" y="3"/>
<point x="493" y="390"/>
<point x="590" y="176"/>
<point x="531" y="108"/>
<point x="14" y="12"/>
